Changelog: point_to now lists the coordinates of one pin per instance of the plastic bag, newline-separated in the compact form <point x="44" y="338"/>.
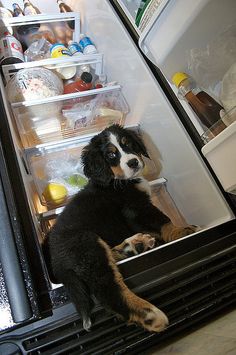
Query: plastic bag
<point x="228" y="88"/>
<point x="209" y="65"/>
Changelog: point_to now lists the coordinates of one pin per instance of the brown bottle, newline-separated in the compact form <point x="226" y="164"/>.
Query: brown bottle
<point x="29" y="8"/>
<point x="66" y="8"/>
<point x="17" y="10"/>
<point x="206" y="108"/>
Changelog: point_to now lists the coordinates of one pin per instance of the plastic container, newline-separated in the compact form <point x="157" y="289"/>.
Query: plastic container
<point x="57" y="174"/>
<point x="220" y="153"/>
<point x="83" y="84"/>
<point x="61" y="118"/>
<point x="33" y="84"/>
<point x="58" y="50"/>
<point x="87" y="45"/>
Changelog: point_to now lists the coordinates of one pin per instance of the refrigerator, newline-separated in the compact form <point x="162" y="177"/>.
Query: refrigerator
<point x="191" y="278"/>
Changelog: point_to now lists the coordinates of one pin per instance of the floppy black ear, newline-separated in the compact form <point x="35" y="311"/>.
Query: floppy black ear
<point x="139" y="143"/>
<point x="95" y="166"/>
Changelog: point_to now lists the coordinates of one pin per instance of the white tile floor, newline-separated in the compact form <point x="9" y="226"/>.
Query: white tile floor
<point x="215" y="337"/>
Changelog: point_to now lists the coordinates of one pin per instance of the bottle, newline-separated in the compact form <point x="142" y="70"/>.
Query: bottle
<point x="29" y="8"/>
<point x="206" y="108"/>
<point x="10" y="49"/>
<point x="17" y="10"/>
<point x="87" y="45"/>
<point x="83" y="84"/>
<point x="76" y="51"/>
<point x="65" y="8"/>
<point x="101" y="81"/>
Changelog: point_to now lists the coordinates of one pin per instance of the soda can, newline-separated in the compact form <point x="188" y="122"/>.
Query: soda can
<point x="10" y="50"/>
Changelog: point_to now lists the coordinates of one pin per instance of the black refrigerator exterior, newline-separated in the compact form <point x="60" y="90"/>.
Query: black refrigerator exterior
<point x="190" y="280"/>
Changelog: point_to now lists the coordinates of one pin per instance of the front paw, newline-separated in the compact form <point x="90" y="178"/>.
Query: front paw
<point x="138" y="244"/>
<point x="169" y="232"/>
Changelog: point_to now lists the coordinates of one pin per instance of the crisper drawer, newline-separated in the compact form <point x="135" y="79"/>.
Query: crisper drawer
<point x="57" y="172"/>
<point x="159" y="195"/>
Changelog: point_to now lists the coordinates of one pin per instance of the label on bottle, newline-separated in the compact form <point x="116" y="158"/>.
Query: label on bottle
<point x="59" y="50"/>
<point x="84" y="42"/>
<point x="10" y="50"/>
<point x="75" y="48"/>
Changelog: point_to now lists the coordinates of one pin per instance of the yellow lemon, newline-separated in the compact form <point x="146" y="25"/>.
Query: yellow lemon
<point x="55" y="193"/>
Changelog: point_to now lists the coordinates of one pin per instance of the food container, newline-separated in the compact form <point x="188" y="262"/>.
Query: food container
<point x="221" y="155"/>
<point x="65" y="117"/>
<point x="33" y="84"/>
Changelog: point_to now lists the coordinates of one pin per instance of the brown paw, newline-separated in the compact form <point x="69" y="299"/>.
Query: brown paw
<point x="150" y="318"/>
<point x="169" y="232"/>
<point x="138" y="243"/>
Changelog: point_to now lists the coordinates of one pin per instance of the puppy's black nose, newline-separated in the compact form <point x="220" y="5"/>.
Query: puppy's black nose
<point x="133" y="163"/>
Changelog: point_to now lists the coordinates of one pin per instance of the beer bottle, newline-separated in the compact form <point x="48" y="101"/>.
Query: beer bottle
<point x="29" y="8"/>
<point x="66" y="8"/>
<point x="17" y="10"/>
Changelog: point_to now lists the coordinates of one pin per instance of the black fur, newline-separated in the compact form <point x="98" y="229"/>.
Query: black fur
<point x="110" y="209"/>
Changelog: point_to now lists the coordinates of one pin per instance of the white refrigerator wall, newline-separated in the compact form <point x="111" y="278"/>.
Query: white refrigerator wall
<point x="191" y="186"/>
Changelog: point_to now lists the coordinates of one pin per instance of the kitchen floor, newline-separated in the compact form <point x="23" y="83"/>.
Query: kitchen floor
<point x="215" y="337"/>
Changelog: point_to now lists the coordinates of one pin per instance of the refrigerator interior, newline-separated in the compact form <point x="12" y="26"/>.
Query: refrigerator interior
<point x="179" y="168"/>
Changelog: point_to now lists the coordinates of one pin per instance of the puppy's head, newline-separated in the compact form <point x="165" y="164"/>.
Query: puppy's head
<point x="115" y="153"/>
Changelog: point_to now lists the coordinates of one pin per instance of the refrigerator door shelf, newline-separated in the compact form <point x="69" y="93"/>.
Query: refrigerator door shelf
<point x="220" y="152"/>
<point x="26" y="27"/>
<point x="95" y="61"/>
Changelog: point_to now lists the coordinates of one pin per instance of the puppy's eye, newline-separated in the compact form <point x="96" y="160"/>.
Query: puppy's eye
<point x="111" y="155"/>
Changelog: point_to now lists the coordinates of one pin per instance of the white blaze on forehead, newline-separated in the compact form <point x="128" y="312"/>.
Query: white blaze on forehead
<point x="125" y="157"/>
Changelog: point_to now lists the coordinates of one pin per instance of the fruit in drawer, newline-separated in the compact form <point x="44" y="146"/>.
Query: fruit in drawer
<point x="76" y="180"/>
<point x="55" y="193"/>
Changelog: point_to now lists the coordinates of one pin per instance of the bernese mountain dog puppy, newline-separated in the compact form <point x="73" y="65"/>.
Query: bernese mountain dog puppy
<point x="110" y="219"/>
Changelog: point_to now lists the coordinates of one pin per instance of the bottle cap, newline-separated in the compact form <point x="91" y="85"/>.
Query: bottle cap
<point x="86" y="77"/>
<point x="178" y="77"/>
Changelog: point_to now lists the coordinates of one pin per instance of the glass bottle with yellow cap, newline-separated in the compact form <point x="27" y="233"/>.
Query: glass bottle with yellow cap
<point x="206" y="108"/>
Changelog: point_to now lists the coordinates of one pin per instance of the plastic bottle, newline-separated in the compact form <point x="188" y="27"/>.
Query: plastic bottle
<point x="76" y="51"/>
<point x="87" y="45"/>
<point x="17" y="10"/>
<point x="101" y="81"/>
<point x="206" y="108"/>
<point x="83" y="84"/>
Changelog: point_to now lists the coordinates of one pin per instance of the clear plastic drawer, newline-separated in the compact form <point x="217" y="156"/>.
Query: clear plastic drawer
<point x="57" y="173"/>
<point x="66" y="116"/>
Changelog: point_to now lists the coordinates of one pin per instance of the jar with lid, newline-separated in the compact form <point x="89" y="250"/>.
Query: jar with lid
<point x="83" y="84"/>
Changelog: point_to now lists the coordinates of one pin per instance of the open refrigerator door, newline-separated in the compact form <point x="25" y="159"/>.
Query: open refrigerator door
<point x="205" y="50"/>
